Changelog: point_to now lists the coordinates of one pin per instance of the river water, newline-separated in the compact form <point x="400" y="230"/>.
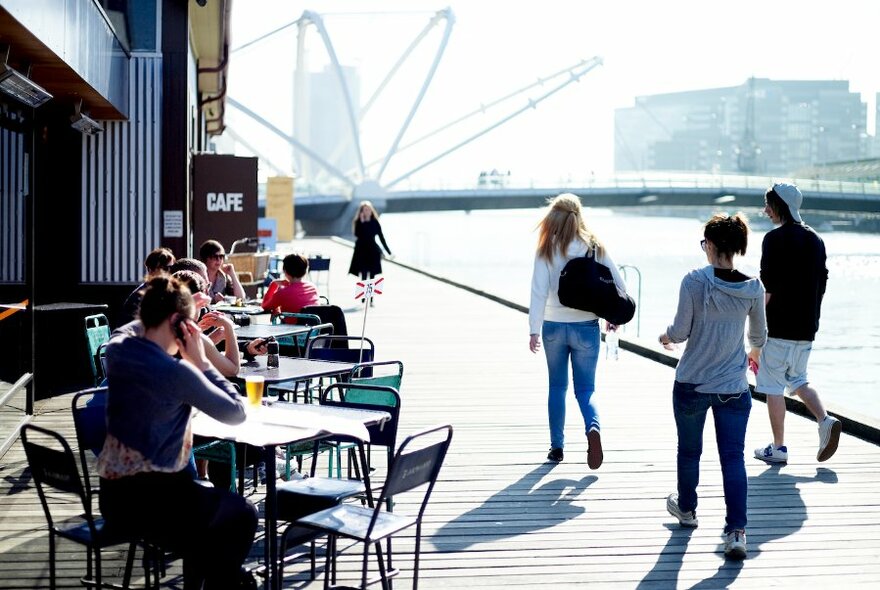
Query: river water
<point x="494" y="251"/>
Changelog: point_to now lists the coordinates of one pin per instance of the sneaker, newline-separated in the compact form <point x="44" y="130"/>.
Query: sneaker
<point x="555" y="455"/>
<point x="594" y="449"/>
<point x="829" y="436"/>
<point x="772" y="454"/>
<point x="688" y="519"/>
<point x="735" y="544"/>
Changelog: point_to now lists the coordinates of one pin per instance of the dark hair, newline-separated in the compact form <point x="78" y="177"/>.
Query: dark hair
<point x="209" y="248"/>
<point x="191" y="264"/>
<point x="730" y="235"/>
<point x="164" y="297"/>
<point x="193" y="280"/>
<point x="780" y="207"/>
<point x="296" y="265"/>
<point x="159" y="259"/>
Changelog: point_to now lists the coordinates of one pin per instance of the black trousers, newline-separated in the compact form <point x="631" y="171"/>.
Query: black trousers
<point x="213" y="529"/>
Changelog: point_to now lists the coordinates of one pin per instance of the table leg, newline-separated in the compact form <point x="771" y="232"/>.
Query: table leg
<point x="270" y="555"/>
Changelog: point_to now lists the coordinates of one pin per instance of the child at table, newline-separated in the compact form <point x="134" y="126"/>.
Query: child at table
<point x="291" y="293"/>
<point x="145" y="489"/>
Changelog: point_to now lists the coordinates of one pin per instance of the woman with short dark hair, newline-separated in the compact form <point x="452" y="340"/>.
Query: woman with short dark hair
<point x="713" y="305"/>
<point x="291" y="293"/>
<point x="222" y="278"/>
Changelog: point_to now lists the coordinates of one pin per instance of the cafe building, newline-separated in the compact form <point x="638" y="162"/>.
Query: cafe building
<point x="104" y="104"/>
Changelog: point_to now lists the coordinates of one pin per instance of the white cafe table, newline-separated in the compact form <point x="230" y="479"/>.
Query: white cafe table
<point x="282" y="424"/>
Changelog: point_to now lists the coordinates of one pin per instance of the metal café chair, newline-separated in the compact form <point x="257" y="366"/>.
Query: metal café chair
<point x="97" y="334"/>
<point x="53" y="468"/>
<point x="416" y="465"/>
<point x="88" y="408"/>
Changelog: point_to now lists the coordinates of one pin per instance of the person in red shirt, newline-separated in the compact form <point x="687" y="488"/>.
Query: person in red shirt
<point x="291" y="293"/>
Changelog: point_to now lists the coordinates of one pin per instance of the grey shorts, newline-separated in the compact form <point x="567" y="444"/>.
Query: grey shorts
<point x="783" y="366"/>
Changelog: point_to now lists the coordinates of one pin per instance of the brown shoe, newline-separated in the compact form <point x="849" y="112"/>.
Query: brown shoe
<point x="594" y="450"/>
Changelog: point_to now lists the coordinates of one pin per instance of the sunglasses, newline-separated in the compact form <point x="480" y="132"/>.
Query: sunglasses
<point x="703" y="245"/>
<point x="218" y="256"/>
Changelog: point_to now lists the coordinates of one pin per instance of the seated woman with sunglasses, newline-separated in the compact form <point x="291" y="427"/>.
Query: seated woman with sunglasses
<point x="145" y="488"/>
<point x="222" y="278"/>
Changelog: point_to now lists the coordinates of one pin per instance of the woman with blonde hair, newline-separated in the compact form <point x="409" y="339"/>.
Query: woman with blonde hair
<point x="567" y="333"/>
<point x="366" y="262"/>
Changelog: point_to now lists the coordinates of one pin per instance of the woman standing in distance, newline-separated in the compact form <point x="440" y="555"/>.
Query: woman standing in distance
<point x="568" y="333"/>
<point x="713" y="305"/>
<point x="366" y="262"/>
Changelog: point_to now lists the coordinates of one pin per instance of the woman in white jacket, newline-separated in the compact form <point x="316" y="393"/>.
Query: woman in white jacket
<point x="567" y="333"/>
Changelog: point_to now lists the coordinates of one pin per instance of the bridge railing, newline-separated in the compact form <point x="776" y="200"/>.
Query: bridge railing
<point x="637" y="181"/>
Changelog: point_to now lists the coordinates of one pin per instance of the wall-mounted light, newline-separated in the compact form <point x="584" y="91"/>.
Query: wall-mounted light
<point x="83" y="123"/>
<point x="19" y="86"/>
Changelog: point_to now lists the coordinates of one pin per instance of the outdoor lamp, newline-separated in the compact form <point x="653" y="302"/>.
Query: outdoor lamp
<point x="19" y="86"/>
<point x="83" y="123"/>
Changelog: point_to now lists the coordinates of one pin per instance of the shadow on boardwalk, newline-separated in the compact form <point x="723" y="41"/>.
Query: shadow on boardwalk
<point x="770" y="521"/>
<point x="494" y="519"/>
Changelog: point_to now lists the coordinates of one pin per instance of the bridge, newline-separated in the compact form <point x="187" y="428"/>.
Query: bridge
<point x="332" y="214"/>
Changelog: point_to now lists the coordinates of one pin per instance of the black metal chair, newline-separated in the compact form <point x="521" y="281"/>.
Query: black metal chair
<point x="53" y="468"/>
<point x="330" y="314"/>
<point x="298" y="498"/>
<point x="416" y="464"/>
<point x="88" y="408"/>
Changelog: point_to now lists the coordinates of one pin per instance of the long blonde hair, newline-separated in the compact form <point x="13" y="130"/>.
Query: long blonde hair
<point x="357" y="213"/>
<point x="563" y="223"/>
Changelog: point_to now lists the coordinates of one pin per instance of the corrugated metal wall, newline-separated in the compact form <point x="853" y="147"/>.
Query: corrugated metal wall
<point x="13" y="191"/>
<point x="121" y="184"/>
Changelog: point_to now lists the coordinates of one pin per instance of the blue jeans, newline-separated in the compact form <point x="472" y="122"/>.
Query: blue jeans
<point x="731" y="414"/>
<point x="580" y="342"/>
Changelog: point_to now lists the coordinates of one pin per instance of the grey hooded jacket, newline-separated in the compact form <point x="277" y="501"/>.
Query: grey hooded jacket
<point x="711" y="317"/>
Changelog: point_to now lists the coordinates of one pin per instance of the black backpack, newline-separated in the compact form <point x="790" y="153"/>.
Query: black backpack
<point x="588" y="285"/>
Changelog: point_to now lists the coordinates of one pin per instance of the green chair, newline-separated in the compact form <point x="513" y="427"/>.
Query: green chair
<point x="298" y="342"/>
<point x="97" y="333"/>
<point x="382" y="374"/>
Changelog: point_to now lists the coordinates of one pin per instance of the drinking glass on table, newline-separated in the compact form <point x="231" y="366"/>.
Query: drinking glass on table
<point x="254" y="388"/>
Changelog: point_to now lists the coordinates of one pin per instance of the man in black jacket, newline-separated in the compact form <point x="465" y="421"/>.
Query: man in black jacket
<point x="794" y="275"/>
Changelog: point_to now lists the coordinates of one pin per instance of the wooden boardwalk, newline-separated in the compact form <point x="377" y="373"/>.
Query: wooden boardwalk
<point x="501" y="516"/>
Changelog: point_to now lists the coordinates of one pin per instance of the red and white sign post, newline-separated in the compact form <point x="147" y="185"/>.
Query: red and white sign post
<point x="366" y="290"/>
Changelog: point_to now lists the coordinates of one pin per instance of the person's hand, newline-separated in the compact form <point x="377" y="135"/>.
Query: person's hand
<point x="191" y="346"/>
<point x="218" y="320"/>
<point x="609" y="327"/>
<point x="754" y="358"/>
<point x="257" y="347"/>
<point x="666" y="342"/>
<point x="228" y="268"/>
<point x="534" y="343"/>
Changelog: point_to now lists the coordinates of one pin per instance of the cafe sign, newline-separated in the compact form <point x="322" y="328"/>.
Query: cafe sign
<point x="224" y="203"/>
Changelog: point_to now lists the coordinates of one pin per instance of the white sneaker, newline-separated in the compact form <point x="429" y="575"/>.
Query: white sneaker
<point x="829" y="436"/>
<point x="735" y="544"/>
<point x="688" y="519"/>
<point x="772" y="454"/>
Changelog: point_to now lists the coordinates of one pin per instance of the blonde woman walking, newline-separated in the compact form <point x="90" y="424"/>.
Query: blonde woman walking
<point x="569" y="334"/>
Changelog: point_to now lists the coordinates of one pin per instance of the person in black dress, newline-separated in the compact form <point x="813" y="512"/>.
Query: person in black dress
<point x="366" y="262"/>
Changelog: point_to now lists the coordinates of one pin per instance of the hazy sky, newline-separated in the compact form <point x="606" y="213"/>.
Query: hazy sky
<point x="498" y="46"/>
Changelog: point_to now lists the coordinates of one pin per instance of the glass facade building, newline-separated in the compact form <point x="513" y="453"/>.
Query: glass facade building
<point x="760" y="127"/>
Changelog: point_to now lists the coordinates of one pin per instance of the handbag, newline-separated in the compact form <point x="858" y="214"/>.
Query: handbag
<point x="588" y="285"/>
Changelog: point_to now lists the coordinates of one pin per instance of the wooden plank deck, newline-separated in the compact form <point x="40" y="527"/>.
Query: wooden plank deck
<point x="502" y="517"/>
